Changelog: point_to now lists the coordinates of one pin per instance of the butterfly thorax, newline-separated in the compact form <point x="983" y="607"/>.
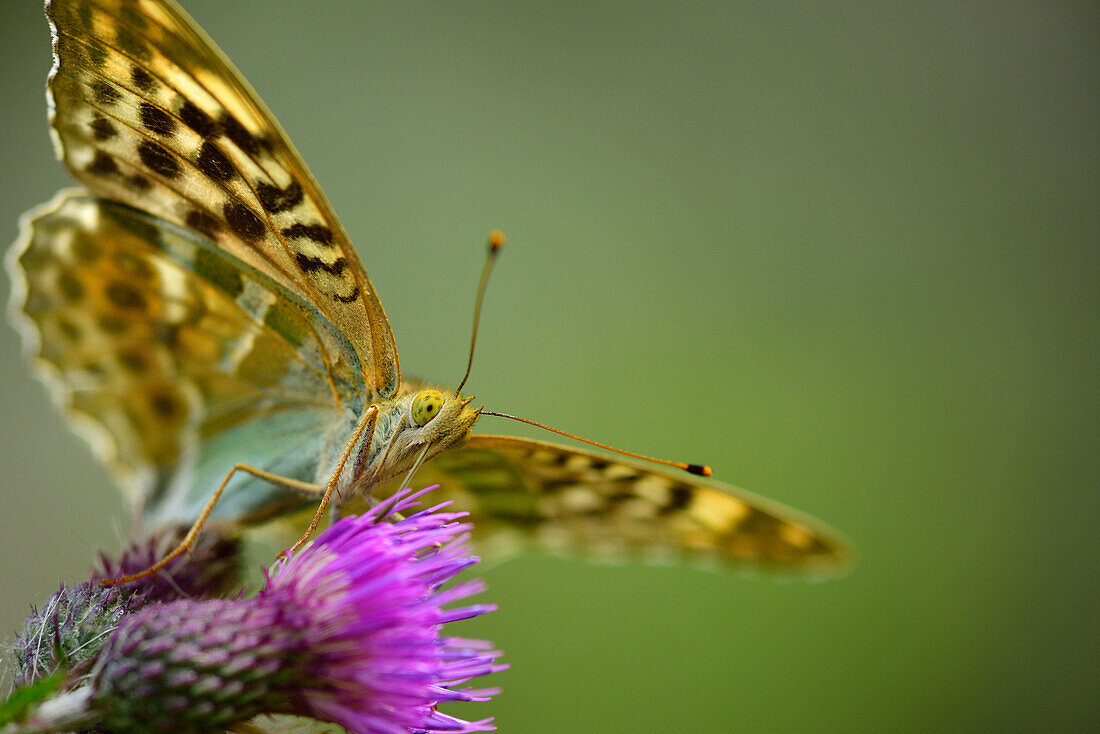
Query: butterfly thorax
<point x="416" y="421"/>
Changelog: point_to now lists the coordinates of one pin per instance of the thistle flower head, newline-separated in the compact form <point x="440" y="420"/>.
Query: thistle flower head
<point x="210" y="568"/>
<point x="70" y="629"/>
<point x="348" y="631"/>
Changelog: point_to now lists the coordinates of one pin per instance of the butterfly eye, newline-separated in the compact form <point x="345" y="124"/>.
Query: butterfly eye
<point x="426" y="405"/>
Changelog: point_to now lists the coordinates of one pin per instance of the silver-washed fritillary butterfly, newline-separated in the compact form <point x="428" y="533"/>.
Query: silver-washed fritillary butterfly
<point x="198" y="307"/>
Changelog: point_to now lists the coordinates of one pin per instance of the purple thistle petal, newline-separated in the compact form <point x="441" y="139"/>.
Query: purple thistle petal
<point x="348" y="630"/>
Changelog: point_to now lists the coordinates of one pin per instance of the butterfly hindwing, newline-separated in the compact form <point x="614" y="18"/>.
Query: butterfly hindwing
<point x="577" y="500"/>
<point x="147" y="111"/>
<point x="178" y="359"/>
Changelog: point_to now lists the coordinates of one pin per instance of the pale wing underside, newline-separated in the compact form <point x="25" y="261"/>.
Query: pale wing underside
<point x="576" y="500"/>
<point x="147" y="111"/>
<point x="175" y="358"/>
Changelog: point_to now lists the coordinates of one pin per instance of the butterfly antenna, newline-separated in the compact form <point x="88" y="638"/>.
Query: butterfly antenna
<point x="496" y="241"/>
<point x="701" y="470"/>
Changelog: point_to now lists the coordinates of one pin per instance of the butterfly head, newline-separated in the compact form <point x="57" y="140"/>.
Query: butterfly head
<point x="427" y="421"/>
<point x="441" y="418"/>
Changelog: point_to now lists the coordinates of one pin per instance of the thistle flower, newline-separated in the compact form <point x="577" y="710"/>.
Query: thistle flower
<point x="211" y="568"/>
<point x="70" y="629"/>
<point x="347" y="631"/>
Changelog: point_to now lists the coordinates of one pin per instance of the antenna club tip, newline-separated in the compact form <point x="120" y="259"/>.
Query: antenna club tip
<point x="496" y="240"/>
<point x="701" y="470"/>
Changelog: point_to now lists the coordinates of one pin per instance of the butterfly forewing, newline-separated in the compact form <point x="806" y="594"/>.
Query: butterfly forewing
<point x="572" y="499"/>
<point x="176" y="358"/>
<point x="148" y="112"/>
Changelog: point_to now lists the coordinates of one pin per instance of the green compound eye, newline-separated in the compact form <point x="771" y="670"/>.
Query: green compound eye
<point x="426" y="406"/>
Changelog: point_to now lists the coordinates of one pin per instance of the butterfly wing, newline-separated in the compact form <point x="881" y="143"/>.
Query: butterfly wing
<point x="147" y="111"/>
<point x="177" y="359"/>
<point x="578" y="500"/>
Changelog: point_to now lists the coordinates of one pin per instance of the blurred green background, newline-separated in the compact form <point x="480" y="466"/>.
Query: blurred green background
<point x="848" y="255"/>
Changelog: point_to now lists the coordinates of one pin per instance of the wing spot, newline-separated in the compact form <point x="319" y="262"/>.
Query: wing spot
<point x="140" y="183"/>
<point x="126" y="296"/>
<point x="134" y="266"/>
<point x="142" y="79"/>
<point x="105" y="93"/>
<point x="203" y="222"/>
<point x="69" y="330"/>
<point x="679" y="498"/>
<point x="240" y="135"/>
<point x="318" y="233"/>
<point x="155" y="119"/>
<point x="274" y="199"/>
<point x="213" y="163"/>
<point x="168" y="335"/>
<point x="94" y="55"/>
<point x="166" y="404"/>
<point x="133" y="361"/>
<point x="157" y="159"/>
<point x="102" y="165"/>
<point x="243" y="221"/>
<point x="354" y="295"/>
<point x="84" y="248"/>
<point x="70" y="286"/>
<point x="197" y="120"/>
<point x="102" y="129"/>
<point x="313" y="264"/>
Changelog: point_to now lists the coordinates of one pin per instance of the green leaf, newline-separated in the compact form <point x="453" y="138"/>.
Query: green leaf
<point x="26" y="697"/>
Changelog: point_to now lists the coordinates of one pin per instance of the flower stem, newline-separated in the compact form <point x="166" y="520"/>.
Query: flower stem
<point x="66" y="712"/>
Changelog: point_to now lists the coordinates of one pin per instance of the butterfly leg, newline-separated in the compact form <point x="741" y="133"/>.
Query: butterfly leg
<point x="368" y="420"/>
<point x="366" y="423"/>
<point x="189" y="539"/>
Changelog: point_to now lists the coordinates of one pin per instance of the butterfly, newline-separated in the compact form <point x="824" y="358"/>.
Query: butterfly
<point x="202" y="317"/>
